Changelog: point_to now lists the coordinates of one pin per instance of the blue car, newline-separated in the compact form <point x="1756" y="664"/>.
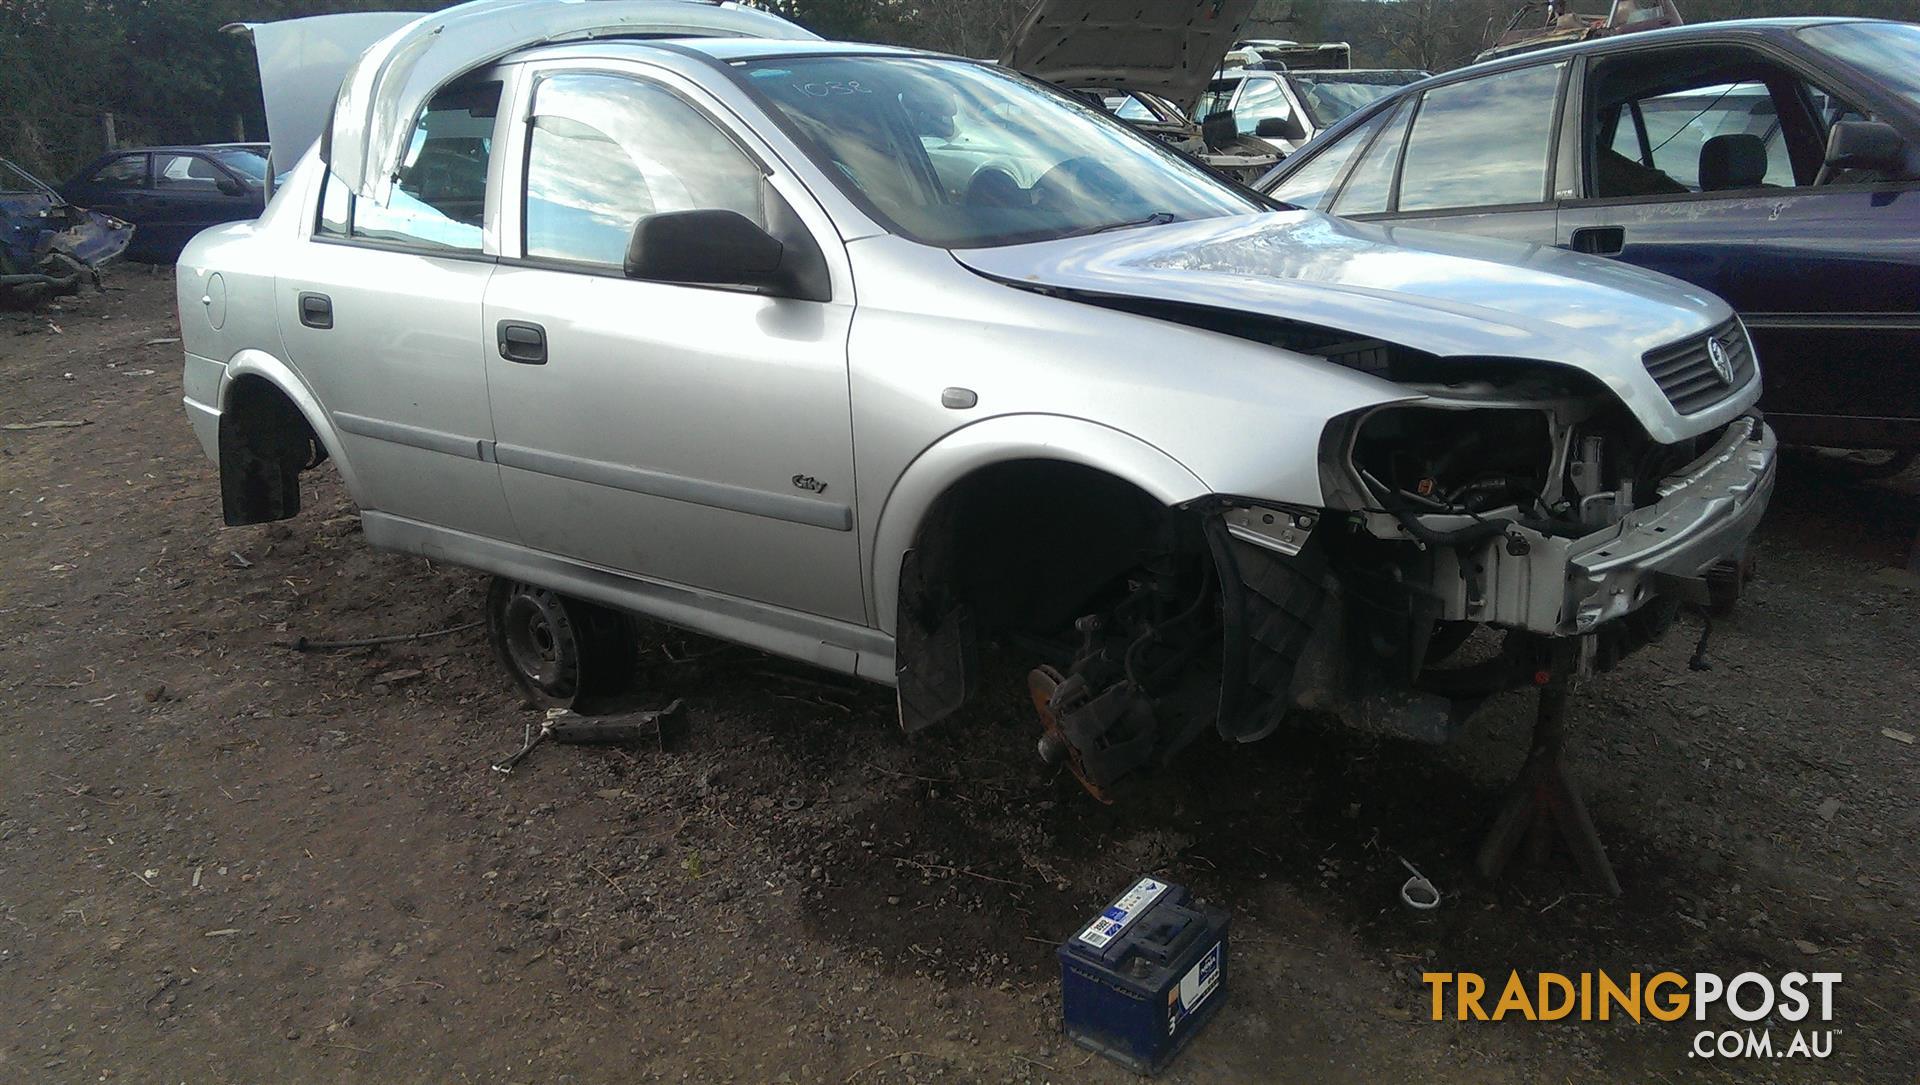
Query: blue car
<point x="48" y="247"/>
<point x="1775" y="163"/>
<point x="172" y="193"/>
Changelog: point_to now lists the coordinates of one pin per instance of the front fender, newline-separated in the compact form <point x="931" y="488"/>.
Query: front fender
<point x="1005" y="439"/>
<point x="258" y="363"/>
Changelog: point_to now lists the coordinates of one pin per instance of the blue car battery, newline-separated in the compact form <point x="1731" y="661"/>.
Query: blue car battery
<point x="1144" y="976"/>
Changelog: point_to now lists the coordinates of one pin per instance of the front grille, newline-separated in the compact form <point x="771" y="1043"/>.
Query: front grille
<point x="1686" y="373"/>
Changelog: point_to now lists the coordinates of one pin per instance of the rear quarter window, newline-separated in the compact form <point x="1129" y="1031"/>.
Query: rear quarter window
<point x="1310" y="186"/>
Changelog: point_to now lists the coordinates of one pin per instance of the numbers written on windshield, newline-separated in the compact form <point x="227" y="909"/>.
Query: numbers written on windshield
<point x="829" y="88"/>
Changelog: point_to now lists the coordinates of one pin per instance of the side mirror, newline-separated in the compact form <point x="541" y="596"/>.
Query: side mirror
<point x="1865" y="145"/>
<point x="1287" y="128"/>
<point x="712" y="248"/>
<point x="229" y="186"/>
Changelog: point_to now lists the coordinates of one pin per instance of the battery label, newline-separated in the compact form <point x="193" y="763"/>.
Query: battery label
<point x="1199" y="982"/>
<point x="1122" y="912"/>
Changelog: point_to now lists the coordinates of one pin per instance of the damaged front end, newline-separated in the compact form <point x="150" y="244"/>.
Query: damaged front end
<point x="48" y="247"/>
<point x="1521" y="499"/>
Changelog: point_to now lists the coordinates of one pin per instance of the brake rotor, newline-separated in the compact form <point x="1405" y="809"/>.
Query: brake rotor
<point x="1053" y="696"/>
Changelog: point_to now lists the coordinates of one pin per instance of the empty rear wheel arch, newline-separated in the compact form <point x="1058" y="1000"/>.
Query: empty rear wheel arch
<point x="265" y="443"/>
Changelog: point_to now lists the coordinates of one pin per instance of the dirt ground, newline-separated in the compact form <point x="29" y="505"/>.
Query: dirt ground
<point x="222" y="860"/>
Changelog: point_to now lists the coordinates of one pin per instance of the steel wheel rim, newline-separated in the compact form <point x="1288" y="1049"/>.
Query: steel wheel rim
<point x="541" y="643"/>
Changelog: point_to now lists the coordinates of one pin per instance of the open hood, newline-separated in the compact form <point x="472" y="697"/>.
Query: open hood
<point x="1170" y="47"/>
<point x="301" y="64"/>
<point x="1450" y="295"/>
<point x="382" y="95"/>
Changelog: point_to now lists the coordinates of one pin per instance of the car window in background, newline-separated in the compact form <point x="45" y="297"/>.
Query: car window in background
<point x="1331" y="97"/>
<point x="1483" y="142"/>
<point x="439" y="199"/>
<point x="1679" y="126"/>
<point x="1129" y="108"/>
<point x="608" y="151"/>
<point x="185" y="173"/>
<point x="1726" y="137"/>
<point x="1832" y="110"/>
<point x="1370" y="190"/>
<point x="15" y="179"/>
<point x="247" y="164"/>
<point x="1216" y="99"/>
<point x="127" y="171"/>
<point x="1045" y="165"/>
<point x="1308" y="186"/>
<point x="1889" y="52"/>
<point x="1264" y="98"/>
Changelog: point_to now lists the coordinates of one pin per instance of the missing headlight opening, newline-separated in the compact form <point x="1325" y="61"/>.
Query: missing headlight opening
<point x="1465" y="462"/>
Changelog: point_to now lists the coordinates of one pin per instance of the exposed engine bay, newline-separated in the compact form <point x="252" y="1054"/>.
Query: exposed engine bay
<point x="1489" y="504"/>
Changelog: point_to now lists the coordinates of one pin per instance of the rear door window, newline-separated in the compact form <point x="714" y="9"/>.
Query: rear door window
<point x="439" y="200"/>
<point x="126" y="171"/>
<point x="1484" y="142"/>
<point x="186" y="174"/>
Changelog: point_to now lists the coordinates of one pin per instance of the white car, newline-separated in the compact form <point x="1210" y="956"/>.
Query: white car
<point x="669" y="308"/>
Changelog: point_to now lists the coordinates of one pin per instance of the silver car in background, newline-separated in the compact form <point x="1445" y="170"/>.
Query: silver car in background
<point x="885" y="361"/>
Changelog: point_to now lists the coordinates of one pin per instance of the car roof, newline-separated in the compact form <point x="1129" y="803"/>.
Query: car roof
<point x="723" y="50"/>
<point x="177" y="148"/>
<point x="1757" y="28"/>
<point x="1720" y="30"/>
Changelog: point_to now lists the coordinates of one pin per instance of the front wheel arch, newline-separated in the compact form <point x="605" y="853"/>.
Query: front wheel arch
<point x="1001" y="440"/>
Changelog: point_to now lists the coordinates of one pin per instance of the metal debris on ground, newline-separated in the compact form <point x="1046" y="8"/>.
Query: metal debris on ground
<point x="305" y="645"/>
<point x="55" y="423"/>
<point x="1419" y="892"/>
<point x="564" y="726"/>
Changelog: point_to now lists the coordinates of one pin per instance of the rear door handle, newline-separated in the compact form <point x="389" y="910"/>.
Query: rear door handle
<point x="1599" y="240"/>
<point x="523" y="343"/>
<point x="316" y="311"/>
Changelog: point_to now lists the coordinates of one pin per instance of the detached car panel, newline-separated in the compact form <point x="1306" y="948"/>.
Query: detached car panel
<point x="731" y="332"/>
<point x="1773" y="162"/>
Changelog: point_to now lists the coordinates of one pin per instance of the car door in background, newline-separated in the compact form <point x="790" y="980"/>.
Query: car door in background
<point x="1702" y="162"/>
<point x="678" y="432"/>
<point x="190" y="193"/>
<point x="383" y="320"/>
<point x="115" y="186"/>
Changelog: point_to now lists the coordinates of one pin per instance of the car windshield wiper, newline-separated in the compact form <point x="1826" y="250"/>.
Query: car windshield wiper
<point x="1158" y="218"/>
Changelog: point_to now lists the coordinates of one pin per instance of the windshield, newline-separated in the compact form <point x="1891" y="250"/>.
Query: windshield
<point x="1889" y="52"/>
<point x="963" y="155"/>
<point x="1334" y="96"/>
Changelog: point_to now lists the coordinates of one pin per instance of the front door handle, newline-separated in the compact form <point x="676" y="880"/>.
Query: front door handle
<point x="523" y="343"/>
<point x="316" y="311"/>
<point x="1599" y="240"/>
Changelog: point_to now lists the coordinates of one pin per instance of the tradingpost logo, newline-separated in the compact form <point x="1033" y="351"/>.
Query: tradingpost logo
<point x="1777" y="1017"/>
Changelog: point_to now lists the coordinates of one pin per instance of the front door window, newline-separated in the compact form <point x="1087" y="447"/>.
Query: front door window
<point x="607" y="151"/>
